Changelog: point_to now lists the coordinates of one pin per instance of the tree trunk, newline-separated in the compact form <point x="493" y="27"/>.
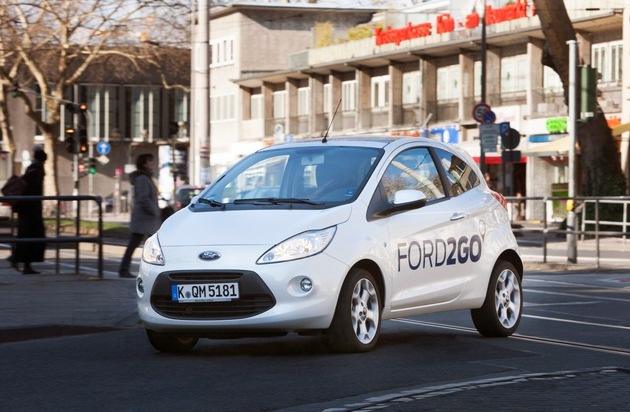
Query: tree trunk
<point x="600" y="160"/>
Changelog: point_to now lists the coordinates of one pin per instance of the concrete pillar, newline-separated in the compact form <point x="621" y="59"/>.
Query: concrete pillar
<point x="364" y="86"/>
<point x="335" y="93"/>
<point x="291" y="123"/>
<point x="535" y="80"/>
<point x="395" y="97"/>
<point x="428" y="101"/>
<point x="493" y="77"/>
<point x="267" y="92"/>
<point x="316" y="124"/>
<point x="467" y="95"/>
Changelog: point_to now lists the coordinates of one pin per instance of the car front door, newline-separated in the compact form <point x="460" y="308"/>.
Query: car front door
<point x="431" y="247"/>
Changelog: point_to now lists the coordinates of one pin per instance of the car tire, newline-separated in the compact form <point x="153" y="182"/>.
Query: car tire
<point x="356" y="324"/>
<point x="171" y="343"/>
<point x="501" y="311"/>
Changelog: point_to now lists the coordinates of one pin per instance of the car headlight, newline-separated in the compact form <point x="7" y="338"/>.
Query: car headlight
<point x="152" y="251"/>
<point x="299" y="246"/>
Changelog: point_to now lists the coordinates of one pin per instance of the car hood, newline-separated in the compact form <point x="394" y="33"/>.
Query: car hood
<point x="245" y="227"/>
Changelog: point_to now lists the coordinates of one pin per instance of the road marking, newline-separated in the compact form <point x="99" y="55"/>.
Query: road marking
<point x="555" y="282"/>
<point x="579" y="322"/>
<point x="575" y="295"/>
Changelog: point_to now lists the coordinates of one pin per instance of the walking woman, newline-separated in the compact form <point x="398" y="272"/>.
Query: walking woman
<point x="145" y="214"/>
<point x="30" y="218"/>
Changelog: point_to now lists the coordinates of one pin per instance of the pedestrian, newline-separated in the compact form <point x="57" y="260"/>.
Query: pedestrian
<point x="145" y="213"/>
<point x="30" y="216"/>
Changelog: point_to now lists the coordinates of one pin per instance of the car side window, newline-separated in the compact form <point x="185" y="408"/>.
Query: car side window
<point x="460" y="175"/>
<point x="413" y="169"/>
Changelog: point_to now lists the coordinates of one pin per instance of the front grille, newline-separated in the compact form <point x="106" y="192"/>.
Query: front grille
<point x="255" y="296"/>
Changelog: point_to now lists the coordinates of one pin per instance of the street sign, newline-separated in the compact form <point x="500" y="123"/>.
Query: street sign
<point x="479" y="111"/>
<point x="489" y="117"/>
<point x="489" y="136"/>
<point x="103" y="148"/>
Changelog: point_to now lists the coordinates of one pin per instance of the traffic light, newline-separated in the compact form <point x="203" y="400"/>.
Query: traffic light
<point x="72" y="144"/>
<point x="83" y="141"/>
<point x="588" y="97"/>
<point x="76" y="108"/>
<point x="91" y="165"/>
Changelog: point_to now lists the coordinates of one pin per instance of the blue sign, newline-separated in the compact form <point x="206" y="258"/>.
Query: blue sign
<point x="103" y="148"/>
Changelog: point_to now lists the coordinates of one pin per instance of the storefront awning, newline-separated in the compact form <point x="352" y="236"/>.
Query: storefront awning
<point x="558" y="147"/>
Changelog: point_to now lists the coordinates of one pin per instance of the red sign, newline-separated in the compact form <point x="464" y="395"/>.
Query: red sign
<point x="446" y="24"/>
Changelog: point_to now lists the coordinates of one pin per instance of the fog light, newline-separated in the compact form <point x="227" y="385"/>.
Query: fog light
<point x="306" y="284"/>
<point x="140" y="285"/>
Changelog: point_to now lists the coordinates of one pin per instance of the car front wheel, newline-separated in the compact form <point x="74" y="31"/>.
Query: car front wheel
<point x="501" y="311"/>
<point x="171" y="343"/>
<point x="357" y="321"/>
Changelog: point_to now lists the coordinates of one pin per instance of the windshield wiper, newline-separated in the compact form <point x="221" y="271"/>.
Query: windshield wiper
<point x="211" y="202"/>
<point x="276" y="201"/>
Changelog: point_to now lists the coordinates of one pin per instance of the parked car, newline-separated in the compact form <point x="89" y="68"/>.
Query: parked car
<point x="184" y="194"/>
<point x="346" y="233"/>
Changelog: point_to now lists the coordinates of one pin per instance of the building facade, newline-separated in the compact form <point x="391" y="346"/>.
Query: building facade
<point x="420" y="74"/>
<point x="129" y="111"/>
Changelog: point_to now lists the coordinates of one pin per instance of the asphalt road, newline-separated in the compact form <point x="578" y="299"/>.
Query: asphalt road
<point x="571" y="352"/>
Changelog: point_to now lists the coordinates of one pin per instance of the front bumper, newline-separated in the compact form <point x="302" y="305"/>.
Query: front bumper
<point x="270" y="295"/>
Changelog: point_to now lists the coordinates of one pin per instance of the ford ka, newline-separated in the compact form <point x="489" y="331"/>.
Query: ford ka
<point x="332" y="236"/>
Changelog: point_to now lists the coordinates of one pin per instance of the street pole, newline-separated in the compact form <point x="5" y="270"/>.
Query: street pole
<point x="482" y="154"/>
<point x="572" y="128"/>
<point x="200" y="98"/>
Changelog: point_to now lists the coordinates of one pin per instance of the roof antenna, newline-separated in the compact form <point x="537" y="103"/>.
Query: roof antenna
<point x="325" y="139"/>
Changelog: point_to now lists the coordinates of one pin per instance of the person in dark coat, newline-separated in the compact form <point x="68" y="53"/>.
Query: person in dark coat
<point x="145" y="214"/>
<point x="30" y="218"/>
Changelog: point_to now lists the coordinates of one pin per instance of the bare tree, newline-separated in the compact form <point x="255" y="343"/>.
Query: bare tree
<point x="600" y="161"/>
<point x="47" y="45"/>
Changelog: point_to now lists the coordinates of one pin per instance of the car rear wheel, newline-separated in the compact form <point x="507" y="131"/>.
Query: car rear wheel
<point x="357" y="321"/>
<point x="171" y="343"/>
<point x="501" y="311"/>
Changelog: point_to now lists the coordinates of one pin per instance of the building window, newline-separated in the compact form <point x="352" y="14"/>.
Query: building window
<point x="514" y="74"/>
<point x="412" y="87"/>
<point x="280" y="104"/>
<point x="222" y="107"/>
<point x="304" y="101"/>
<point x="256" y="108"/>
<point x="349" y="96"/>
<point x="448" y="83"/>
<point x="607" y="59"/>
<point x="102" y="102"/>
<point x="380" y="91"/>
<point x="221" y="52"/>
<point x="145" y="113"/>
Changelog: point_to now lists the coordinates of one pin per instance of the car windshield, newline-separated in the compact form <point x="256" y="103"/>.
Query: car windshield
<point x="296" y="177"/>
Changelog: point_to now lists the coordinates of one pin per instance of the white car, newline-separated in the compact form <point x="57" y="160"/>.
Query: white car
<point x="344" y="232"/>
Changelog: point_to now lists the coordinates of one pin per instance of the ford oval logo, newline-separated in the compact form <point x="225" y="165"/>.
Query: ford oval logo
<point x="209" y="255"/>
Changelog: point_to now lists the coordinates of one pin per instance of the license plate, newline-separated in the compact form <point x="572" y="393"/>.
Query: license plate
<point x="206" y="292"/>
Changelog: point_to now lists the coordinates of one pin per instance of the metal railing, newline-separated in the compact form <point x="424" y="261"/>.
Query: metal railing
<point x="588" y="216"/>
<point x="59" y="239"/>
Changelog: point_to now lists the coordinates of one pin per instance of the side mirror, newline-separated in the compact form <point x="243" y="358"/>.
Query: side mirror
<point x="404" y="200"/>
<point x="409" y="196"/>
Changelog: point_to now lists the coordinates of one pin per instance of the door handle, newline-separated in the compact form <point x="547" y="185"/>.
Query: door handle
<point x="458" y="216"/>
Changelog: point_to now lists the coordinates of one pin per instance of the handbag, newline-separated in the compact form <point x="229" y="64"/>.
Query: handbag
<point x="15" y="186"/>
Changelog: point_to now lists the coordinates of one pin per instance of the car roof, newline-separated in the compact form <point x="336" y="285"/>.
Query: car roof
<point x="371" y="141"/>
